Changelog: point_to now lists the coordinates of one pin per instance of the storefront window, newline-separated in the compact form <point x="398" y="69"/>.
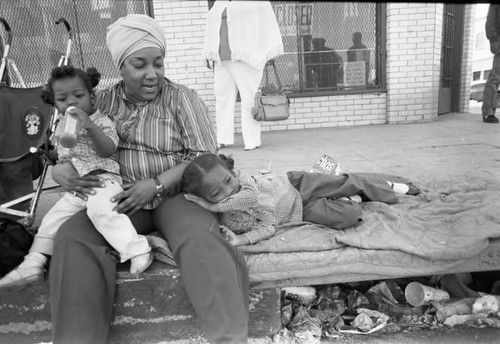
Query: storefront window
<point x="330" y="46"/>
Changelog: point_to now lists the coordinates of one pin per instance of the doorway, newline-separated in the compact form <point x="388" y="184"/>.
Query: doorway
<point x="451" y="62"/>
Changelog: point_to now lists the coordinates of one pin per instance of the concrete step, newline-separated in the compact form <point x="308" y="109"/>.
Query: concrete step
<point x="151" y="308"/>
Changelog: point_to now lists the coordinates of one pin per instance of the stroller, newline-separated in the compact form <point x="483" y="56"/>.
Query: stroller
<point x="26" y="127"/>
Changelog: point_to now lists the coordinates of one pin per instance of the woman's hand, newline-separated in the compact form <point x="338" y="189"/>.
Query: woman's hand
<point x="84" y="117"/>
<point x="135" y="196"/>
<point x="66" y="175"/>
<point x="202" y="202"/>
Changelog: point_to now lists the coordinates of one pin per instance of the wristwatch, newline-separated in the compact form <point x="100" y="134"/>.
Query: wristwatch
<point x="159" y="187"/>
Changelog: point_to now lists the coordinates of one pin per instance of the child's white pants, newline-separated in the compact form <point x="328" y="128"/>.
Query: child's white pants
<point x="116" y="228"/>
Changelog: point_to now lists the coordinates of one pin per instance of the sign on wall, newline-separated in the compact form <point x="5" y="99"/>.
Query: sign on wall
<point x="293" y="16"/>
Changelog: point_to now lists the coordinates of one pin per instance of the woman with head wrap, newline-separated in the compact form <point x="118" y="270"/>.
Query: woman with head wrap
<point x="161" y="126"/>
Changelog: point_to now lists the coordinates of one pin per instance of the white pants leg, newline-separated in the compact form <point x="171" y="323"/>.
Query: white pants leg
<point x="116" y="228"/>
<point x="248" y="80"/>
<point x="62" y="210"/>
<point x="229" y="78"/>
<point x="225" y="98"/>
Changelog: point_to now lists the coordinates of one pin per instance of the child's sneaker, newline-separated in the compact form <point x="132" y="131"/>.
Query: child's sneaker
<point x="140" y="263"/>
<point x="21" y="278"/>
<point x="404" y="188"/>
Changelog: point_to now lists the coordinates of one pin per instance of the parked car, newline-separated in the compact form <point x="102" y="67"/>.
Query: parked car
<point x="476" y="92"/>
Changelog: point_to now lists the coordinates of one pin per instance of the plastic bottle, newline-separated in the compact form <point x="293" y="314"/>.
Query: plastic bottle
<point x="71" y="128"/>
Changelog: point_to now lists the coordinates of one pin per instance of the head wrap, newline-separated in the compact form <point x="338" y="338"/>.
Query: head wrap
<point x="132" y="33"/>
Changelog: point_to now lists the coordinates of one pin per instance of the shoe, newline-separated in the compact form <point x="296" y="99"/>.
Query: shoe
<point x="490" y="119"/>
<point x="140" y="263"/>
<point x="21" y="278"/>
<point x="354" y="198"/>
<point x="413" y="190"/>
<point x="251" y="148"/>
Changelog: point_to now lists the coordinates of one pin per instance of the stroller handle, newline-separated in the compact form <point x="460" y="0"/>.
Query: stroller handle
<point x="65" y="58"/>
<point x="8" y="30"/>
<point x="68" y="27"/>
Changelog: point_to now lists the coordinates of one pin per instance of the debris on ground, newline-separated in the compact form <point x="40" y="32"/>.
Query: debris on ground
<point x="311" y="313"/>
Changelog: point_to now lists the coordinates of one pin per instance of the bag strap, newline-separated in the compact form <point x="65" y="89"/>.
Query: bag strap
<point x="273" y="65"/>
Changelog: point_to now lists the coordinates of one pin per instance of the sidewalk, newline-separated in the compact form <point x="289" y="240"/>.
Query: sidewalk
<point x="455" y="143"/>
<point x="451" y="145"/>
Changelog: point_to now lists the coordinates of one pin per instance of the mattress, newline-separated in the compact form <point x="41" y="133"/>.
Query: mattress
<point x="453" y="225"/>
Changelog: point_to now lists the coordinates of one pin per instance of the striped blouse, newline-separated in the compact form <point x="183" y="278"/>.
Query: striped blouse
<point x="156" y="135"/>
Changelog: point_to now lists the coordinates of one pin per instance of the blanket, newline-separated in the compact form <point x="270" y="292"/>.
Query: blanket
<point x="451" y="220"/>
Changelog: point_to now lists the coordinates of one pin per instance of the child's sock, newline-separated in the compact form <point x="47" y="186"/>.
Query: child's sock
<point x="400" y="188"/>
<point x="34" y="259"/>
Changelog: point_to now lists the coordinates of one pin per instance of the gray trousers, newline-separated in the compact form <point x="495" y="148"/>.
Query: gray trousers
<point x="491" y="88"/>
<point x="320" y="193"/>
<point x="83" y="274"/>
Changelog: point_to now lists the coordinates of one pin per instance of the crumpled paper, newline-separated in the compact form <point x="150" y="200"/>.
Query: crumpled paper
<point x="307" y="330"/>
<point x="447" y="308"/>
<point x="486" y="304"/>
<point x="381" y="293"/>
<point x="368" y="321"/>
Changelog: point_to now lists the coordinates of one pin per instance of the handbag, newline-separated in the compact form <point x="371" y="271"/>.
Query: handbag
<point x="271" y="104"/>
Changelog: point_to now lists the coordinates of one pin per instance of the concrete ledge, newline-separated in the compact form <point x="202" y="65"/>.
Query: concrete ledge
<point x="152" y="307"/>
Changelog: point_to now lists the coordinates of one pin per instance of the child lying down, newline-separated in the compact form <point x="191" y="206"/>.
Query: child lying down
<point x="250" y="206"/>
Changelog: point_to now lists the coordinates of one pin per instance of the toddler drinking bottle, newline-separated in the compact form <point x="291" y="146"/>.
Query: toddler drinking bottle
<point x="71" y="128"/>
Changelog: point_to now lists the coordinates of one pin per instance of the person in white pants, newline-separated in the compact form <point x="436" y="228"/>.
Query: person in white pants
<point x="241" y="36"/>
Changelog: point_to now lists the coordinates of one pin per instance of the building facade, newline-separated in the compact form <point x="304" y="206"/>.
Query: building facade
<point x="414" y="62"/>
<point x="412" y="75"/>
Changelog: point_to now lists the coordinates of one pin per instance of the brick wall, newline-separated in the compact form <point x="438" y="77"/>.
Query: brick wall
<point x="413" y="68"/>
<point x="413" y="61"/>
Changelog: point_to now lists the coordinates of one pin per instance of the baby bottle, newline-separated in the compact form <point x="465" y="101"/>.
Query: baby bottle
<point x="71" y="128"/>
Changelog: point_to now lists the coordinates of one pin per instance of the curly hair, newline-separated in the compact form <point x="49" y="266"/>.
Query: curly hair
<point x="192" y="178"/>
<point x="90" y="78"/>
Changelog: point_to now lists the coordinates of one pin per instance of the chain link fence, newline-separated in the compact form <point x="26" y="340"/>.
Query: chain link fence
<point x="38" y="42"/>
<point x="329" y="45"/>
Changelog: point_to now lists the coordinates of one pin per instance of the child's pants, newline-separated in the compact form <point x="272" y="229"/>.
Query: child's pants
<point x="320" y="193"/>
<point x="114" y="227"/>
